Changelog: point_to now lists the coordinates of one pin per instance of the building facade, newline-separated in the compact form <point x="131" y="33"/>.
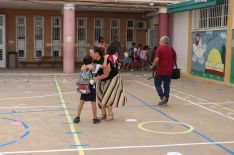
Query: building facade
<point x="61" y="33"/>
<point x="202" y="34"/>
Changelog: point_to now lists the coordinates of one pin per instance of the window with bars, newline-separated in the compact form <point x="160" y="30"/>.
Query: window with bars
<point x="81" y="29"/>
<point x="115" y="23"/>
<point x="81" y="37"/>
<point x="98" y="29"/>
<point x="1" y="36"/>
<point x="21" y="36"/>
<point x="1" y="20"/>
<point x="56" y="28"/>
<point x="1" y="54"/>
<point x="130" y="30"/>
<point x="38" y="36"/>
<point x="211" y="18"/>
<point x="56" y="36"/>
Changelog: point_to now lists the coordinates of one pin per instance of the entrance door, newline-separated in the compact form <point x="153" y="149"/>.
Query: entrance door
<point x="2" y="42"/>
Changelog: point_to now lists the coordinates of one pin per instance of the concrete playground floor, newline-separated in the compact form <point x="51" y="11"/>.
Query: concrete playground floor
<point x="36" y="113"/>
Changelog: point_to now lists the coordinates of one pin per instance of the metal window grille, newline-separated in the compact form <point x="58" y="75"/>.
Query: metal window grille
<point x="21" y="53"/>
<point x="55" y="53"/>
<point x="1" y="20"/>
<point x="56" y="36"/>
<point x="21" y="35"/>
<point x="114" y="28"/>
<point x="1" y="54"/>
<point x="82" y="44"/>
<point x="56" y="28"/>
<point x="1" y="36"/>
<point x="211" y="18"/>
<point x="130" y="30"/>
<point x="81" y="29"/>
<point x="39" y="35"/>
<point x="98" y="28"/>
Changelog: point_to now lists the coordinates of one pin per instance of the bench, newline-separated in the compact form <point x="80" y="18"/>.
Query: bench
<point x="53" y="61"/>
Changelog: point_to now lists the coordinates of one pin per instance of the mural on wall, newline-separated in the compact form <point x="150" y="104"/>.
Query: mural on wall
<point x="232" y="60"/>
<point x="208" y="56"/>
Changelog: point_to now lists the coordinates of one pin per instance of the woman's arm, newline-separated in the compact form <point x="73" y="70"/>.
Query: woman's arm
<point x="106" y="71"/>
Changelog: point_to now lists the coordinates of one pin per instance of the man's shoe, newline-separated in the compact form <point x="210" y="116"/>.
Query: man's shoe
<point x="77" y="120"/>
<point x="163" y="101"/>
<point x="96" y="121"/>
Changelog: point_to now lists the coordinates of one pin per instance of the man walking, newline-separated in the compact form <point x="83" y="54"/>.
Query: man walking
<point x="164" y="61"/>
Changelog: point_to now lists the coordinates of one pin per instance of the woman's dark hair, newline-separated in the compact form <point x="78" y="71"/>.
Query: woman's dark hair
<point x="87" y="60"/>
<point x="111" y="50"/>
<point x="146" y="47"/>
<point x="99" y="40"/>
<point x="133" y="43"/>
<point x="98" y="50"/>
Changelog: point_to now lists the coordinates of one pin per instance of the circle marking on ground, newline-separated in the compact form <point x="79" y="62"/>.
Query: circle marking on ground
<point x="189" y="127"/>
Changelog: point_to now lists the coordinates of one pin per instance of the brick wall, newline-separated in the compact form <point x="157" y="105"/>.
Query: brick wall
<point x="11" y="27"/>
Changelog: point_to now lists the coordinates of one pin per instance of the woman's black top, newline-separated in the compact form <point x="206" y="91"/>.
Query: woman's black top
<point x="113" y="70"/>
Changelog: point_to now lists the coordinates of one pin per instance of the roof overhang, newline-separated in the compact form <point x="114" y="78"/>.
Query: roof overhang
<point x="90" y="5"/>
<point x="192" y="5"/>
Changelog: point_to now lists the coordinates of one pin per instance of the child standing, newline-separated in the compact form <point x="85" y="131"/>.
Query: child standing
<point x="127" y="60"/>
<point x="144" y="58"/>
<point x="91" y="96"/>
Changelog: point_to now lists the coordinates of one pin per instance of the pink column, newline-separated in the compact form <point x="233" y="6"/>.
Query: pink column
<point x="68" y="38"/>
<point x="163" y="23"/>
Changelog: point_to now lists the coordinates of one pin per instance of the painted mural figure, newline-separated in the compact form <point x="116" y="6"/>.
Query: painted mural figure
<point x="209" y="50"/>
<point x="199" y="50"/>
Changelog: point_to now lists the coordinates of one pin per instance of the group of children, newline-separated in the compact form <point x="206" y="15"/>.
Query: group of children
<point x="136" y="57"/>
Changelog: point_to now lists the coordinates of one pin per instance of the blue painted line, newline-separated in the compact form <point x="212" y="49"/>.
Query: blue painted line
<point x="10" y="119"/>
<point x="25" y="125"/>
<point x="25" y="135"/>
<point x="9" y="143"/>
<point x="31" y="111"/>
<point x="71" y="133"/>
<point x="68" y="115"/>
<point x="5" y="113"/>
<point x="82" y="145"/>
<point x="175" y="120"/>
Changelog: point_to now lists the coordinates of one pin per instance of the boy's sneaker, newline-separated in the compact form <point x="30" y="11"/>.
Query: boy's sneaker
<point x="77" y="119"/>
<point x="96" y="121"/>
<point x="163" y="101"/>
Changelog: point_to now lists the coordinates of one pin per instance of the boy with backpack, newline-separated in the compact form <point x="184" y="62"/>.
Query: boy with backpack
<point x="88" y="91"/>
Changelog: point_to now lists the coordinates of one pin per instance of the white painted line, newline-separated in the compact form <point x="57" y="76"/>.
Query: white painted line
<point x="31" y="97"/>
<point x="131" y="120"/>
<point x="29" y="107"/>
<point x="219" y="103"/>
<point x="118" y="147"/>
<point x="174" y="153"/>
<point x="181" y="98"/>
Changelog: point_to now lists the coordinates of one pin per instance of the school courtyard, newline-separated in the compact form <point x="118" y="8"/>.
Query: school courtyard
<point x="42" y="44"/>
<point x="37" y="109"/>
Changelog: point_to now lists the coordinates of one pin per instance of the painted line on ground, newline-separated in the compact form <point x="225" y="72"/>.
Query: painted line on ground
<point x="173" y="119"/>
<point x="30" y="107"/>
<point x="71" y="133"/>
<point x="198" y="98"/>
<point x="32" y="97"/>
<point x="72" y="127"/>
<point x="119" y="147"/>
<point x="181" y="98"/>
